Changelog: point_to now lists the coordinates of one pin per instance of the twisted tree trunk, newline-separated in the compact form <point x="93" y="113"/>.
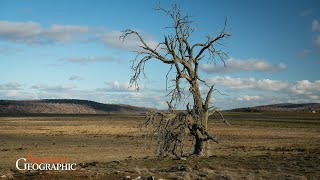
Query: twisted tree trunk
<point x="200" y="116"/>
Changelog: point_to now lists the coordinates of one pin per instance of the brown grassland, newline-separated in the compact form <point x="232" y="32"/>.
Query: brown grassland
<point x="256" y="146"/>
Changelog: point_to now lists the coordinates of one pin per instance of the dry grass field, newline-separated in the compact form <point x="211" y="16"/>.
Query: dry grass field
<point x="255" y="146"/>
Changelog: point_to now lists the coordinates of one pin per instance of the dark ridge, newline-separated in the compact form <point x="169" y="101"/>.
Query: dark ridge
<point x="99" y="106"/>
<point x="284" y="107"/>
<point x="65" y="106"/>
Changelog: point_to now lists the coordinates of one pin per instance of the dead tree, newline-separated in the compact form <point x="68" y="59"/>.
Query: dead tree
<point x="184" y="59"/>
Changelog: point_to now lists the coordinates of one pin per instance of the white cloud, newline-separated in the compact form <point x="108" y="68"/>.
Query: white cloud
<point x="115" y="86"/>
<point x="64" y="32"/>
<point x="34" y="33"/>
<point x="299" y="87"/>
<point x="305" y="87"/>
<point x="236" y="65"/>
<point x="248" y="98"/>
<point x="315" y="26"/>
<point x="249" y="83"/>
<point x="55" y="88"/>
<point x="17" y="94"/>
<point x="84" y="60"/>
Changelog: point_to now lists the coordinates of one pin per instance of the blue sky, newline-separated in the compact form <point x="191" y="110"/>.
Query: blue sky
<point x="71" y="49"/>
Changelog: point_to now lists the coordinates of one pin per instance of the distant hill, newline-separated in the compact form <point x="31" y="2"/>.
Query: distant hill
<point x="285" y="107"/>
<point x="65" y="106"/>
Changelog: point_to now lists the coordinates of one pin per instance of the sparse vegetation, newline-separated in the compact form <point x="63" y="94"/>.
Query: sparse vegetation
<point x="281" y="145"/>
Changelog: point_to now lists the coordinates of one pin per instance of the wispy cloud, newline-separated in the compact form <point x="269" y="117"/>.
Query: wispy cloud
<point x="131" y="42"/>
<point x="306" y="52"/>
<point x="307" y="12"/>
<point x="53" y="88"/>
<point x="316" y="40"/>
<point x="315" y="26"/>
<point x="75" y="78"/>
<point x="233" y="65"/>
<point x="12" y="90"/>
<point x="34" y="33"/>
<point x="90" y="59"/>
<point x="10" y="86"/>
<point x="9" y="50"/>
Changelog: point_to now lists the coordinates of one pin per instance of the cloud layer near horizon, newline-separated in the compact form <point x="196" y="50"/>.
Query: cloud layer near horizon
<point x="306" y="88"/>
<point x="233" y="65"/>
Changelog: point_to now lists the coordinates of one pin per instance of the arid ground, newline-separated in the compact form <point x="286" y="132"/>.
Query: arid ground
<point x="255" y="146"/>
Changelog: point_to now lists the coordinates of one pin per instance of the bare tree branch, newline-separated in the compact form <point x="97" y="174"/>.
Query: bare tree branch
<point x="209" y="43"/>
